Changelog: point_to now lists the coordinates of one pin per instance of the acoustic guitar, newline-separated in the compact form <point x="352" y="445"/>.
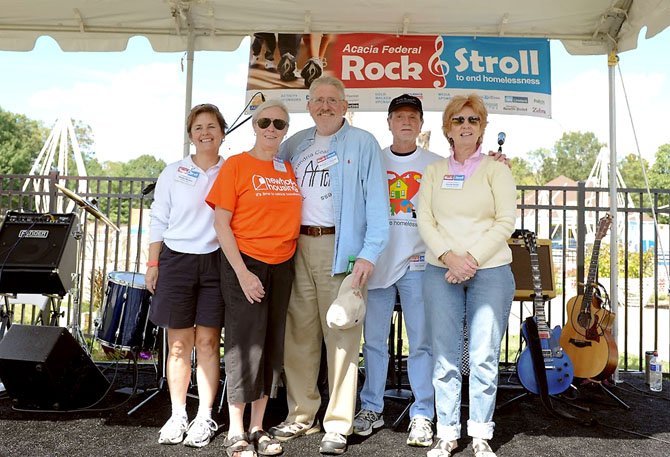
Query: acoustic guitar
<point x="557" y="364"/>
<point x="587" y="336"/>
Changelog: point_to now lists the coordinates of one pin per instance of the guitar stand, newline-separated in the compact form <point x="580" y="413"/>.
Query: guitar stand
<point x="162" y="381"/>
<point x="607" y="391"/>
<point x="553" y="397"/>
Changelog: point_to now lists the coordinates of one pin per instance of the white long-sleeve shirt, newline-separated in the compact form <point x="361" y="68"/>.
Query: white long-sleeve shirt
<point x="179" y="215"/>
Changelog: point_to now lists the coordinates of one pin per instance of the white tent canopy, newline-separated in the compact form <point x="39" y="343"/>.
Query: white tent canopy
<point x="584" y="26"/>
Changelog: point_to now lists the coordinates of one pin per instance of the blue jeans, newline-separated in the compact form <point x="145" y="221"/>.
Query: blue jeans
<point x="484" y="302"/>
<point x="375" y="348"/>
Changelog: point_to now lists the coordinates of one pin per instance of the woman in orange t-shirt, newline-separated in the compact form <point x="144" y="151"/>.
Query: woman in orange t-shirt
<point x="257" y="220"/>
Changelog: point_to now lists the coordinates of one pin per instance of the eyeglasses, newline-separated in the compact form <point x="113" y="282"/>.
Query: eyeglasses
<point x="460" y="120"/>
<point x="330" y="100"/>
<point x="265" y="122"/>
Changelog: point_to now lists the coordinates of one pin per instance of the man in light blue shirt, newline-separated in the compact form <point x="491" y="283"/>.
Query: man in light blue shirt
<point x="345" y="213"/>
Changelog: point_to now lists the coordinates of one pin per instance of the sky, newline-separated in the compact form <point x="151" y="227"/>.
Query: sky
<point x="134" y="100"/>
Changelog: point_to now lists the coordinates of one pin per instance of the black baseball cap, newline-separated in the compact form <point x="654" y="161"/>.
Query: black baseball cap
<point x="406" y="100"/>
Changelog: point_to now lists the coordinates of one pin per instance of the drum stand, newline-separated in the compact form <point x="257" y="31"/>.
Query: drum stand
<point x="6" y="315"/>
<point x="162" y="371"/>
<point x="75" y="325"/>
<point x="51" y="312"/>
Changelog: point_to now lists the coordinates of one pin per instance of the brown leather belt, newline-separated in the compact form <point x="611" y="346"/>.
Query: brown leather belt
<point x="313" y="230"/>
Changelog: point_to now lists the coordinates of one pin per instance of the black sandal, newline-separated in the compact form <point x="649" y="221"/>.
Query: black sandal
<point x="238" y="446"/>
<point x="264" y="442"/>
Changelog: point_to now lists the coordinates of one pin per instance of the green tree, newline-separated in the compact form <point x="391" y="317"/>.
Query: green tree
<point x="631" y="171"/>
<point x="523" y="172"/>
<point x="576" y="153"/>
<point x="145" y="166"/>
<point x="21" y="140"/>
<point x="573" y="155"/>
<point x="543" y="165"/>
<point x="659" y="177"/>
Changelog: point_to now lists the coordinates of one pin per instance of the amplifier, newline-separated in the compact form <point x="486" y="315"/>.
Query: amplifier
<point x="521" y="269"/>
<point x="38" y="253"/>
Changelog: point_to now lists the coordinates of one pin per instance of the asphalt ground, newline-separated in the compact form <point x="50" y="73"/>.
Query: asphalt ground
<point x="523" y="427"/>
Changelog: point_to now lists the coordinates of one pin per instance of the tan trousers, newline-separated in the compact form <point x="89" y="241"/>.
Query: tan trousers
<point x="314" y="289"/>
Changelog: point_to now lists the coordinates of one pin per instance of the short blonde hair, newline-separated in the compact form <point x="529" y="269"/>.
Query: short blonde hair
<point x="459" y="102"/>
<point x="269" y="104"/>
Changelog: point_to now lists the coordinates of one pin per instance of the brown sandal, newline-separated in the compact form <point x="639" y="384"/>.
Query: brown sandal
<point x="239" y="446"/>
<point x="265" y="444"/>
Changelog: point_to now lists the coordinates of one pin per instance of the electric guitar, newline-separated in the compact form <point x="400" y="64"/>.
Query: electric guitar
<point x="557" y="365"/>
<point x="587" y="336"/>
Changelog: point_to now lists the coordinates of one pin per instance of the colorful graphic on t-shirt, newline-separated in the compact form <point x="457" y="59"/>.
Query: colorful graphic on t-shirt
<point x="402" y="189"/>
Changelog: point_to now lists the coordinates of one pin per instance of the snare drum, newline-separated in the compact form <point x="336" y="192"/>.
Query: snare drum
<point x="125" y="324"/>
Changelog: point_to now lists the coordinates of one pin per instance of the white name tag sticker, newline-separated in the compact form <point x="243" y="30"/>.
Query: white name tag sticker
<point x="453" y="181"/>
<point x="187" y="175"/>
<point x="327" y="161"/>
<point x="417" y="263"/>
<point x="279" y="165"/>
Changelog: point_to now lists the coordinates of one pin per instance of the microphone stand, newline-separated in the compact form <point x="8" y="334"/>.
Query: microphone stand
<point x="234" y="126"/>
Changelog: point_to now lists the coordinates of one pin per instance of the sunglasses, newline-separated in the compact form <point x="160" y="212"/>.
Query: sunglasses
<point x="265" y="122"/>
<point x="460" y="120"/>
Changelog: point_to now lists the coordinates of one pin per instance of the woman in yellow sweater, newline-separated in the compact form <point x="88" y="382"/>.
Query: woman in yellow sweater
<point x="466" y="213"/>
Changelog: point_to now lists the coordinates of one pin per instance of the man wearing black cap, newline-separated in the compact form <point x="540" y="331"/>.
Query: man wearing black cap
<point x="399" y="270"/>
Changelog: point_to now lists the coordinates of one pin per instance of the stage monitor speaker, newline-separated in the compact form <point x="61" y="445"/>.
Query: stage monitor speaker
<point x="522" y="270"/>
<point x="38" y="253"/>
<point x="44" y="367"/>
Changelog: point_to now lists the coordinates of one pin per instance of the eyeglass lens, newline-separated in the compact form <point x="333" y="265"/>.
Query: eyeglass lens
<point x="329" y="100"/>
<point x="279" y="124"/>
<point x="460" y="120"/>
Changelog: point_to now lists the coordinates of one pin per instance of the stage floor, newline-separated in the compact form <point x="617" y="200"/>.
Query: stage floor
<point x="523" y="428"/>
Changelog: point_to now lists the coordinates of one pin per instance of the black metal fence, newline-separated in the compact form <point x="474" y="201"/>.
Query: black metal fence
<point x="566" y="216"/>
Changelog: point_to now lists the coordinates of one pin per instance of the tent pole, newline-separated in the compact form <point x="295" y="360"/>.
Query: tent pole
<point x="189" y="89"/>
<point x="612" y="61"/>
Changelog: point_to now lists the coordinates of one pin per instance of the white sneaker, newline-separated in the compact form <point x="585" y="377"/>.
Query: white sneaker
<point x="481" y="448"/>
<point x="270" y="65"/>
<point x="200" y="431"/>
<point x="420" y="432"/>
<point x="173" y="430"/>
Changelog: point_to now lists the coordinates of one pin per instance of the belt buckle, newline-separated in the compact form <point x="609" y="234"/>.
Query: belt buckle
<point x="316" y="231"/>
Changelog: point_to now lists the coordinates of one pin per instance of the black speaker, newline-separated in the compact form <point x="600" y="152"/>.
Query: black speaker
<point x="45" y="368"/>
<point x="38" y="253"/>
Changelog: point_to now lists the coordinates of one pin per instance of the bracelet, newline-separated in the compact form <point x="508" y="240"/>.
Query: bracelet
<point x="152" y="263"/>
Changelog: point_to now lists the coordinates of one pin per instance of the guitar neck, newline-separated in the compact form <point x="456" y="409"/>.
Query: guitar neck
<point x="538" y="301"/>
<point x="592" y="276"/>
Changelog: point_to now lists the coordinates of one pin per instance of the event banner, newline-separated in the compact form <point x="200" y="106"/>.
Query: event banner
<point x="512" y="74"/>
